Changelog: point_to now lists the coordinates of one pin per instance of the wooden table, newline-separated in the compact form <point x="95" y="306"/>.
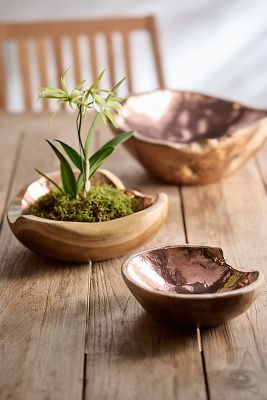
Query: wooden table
<point x="73" y="331"/>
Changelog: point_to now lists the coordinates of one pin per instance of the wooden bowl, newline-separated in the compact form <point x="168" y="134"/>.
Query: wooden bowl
<point x="190" y="285"/>
<point x="83" y="241"/>
<point x="191" y="138"/>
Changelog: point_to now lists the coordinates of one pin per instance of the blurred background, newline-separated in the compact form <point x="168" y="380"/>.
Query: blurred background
<point x="217" y="47"/>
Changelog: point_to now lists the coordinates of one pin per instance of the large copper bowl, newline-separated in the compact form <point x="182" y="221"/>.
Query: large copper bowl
<point x="191" y="138"/>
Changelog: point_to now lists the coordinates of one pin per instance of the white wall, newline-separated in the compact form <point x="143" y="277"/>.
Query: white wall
<point x="217" y="47"/>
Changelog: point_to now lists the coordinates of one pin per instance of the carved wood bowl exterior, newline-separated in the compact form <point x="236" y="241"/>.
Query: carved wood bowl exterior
<point x="190" y="285"/>
<point x="191" y="138"/>
<point x="83" y="241"/>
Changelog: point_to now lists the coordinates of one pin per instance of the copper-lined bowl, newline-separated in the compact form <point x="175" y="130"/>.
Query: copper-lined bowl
<point x="83" y="241"/>
<point x="190" y="285"/>
<point x="191" y="138"/>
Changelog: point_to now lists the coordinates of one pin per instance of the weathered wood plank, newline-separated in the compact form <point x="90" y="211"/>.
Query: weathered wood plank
<point x="129" y="355"/>
<point x="10" y="144"/>
<point x="43" y="303"/>
<point x="232" y="214"/>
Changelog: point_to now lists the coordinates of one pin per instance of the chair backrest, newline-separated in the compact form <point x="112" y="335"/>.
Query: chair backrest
<point x="41" y="32"/>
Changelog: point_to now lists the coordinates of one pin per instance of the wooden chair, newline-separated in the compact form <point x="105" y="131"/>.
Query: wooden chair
<point x="41" y="32"/>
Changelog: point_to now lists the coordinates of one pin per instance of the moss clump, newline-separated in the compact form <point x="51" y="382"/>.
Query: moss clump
<point x="103" y="203"/>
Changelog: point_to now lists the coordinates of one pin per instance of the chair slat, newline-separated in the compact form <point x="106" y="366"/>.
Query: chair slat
<point x="74" y="40"/>
<point x="23" y="53"/>
<point x="92" y="26"/>
<point x="127" y="57"/>
<point x="42" y="65"/>
<point x="3" y="92"/>
<point x="92" y="55"/>
<point x="55" y="31"/>
<point x="110" y="53"/>
<point x="155" y="47"/>
<point x="58" y="58"/>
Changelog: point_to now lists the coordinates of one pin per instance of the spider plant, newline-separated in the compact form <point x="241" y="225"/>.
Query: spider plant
<point x="103" y="102"/>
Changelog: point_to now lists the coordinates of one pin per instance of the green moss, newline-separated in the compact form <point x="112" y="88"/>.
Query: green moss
<point x="103" y="203"/>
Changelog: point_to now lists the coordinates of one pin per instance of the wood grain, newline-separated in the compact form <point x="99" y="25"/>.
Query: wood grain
<point x="10" y="142"/>
<point x="137" y="357"/>
<point x="43" y="303"/>
<point x="232" y="215"/>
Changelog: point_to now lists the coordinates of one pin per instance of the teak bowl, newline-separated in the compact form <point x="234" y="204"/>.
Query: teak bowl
<point x="191" y="138"/>
<point x="190" y="285"/>
<point x="83" y="241"/>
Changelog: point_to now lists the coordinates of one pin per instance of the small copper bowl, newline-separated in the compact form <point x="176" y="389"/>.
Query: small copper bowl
<point x="190" y="285"/>
<point x="191" y="138"/>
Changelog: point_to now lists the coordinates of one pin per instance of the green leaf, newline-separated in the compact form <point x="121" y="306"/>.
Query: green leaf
<point x="73" y="154"/>
<point x="50" y="180"/>
<point x="51" y="93"/>
<point x="90" y="133"/>
<point x="115" y="105"/>
<point x="67" y="175"/>
<point x="115" y="98"/>
<point x="106" y="150"/>
<point x="79" y="85"/>
<point x="98" y="79"/>
<point x="64" y="80"/>
<point x="116" y="87"/>
<point x="104" y="119"/>
<point x="98" y="157"/>
<point x="101" y="90"/>
<point x="122" y="137"/>
<point x="79" y="183"/>
<point x="110" y="117"/>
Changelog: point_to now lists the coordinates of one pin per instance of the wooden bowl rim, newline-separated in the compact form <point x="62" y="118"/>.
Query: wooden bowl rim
<point x="209" y="296"/>
<point x="194" y="146"/>
<point x="201" y="93"/>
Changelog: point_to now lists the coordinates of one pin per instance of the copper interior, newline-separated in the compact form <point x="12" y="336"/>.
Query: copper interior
<point x="187" y="270"/>
<point x="184" y="117"/>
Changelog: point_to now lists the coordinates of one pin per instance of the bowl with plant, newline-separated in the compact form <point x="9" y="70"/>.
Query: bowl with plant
<point x="83" y="212"/>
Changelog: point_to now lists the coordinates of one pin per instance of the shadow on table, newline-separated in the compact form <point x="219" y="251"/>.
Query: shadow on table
<point x="23" y="264"/>
<point x="145" y="338"/>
